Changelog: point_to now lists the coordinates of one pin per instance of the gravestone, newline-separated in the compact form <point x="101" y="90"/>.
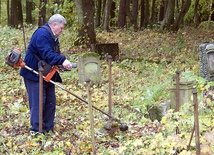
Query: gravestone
<point x="89" y="67"/>
<point x="210" y="60"/>
<point x="105" y="49"/>
<point x="206" y="58"/>
<point x="185" y="90"/>
<point x="156" y="112"/>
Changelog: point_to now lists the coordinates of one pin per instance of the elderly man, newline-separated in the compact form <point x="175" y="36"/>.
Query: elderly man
<point x="44" y="45"/>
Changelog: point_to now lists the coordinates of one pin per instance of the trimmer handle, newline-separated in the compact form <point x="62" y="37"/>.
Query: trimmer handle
<point x="61" y="68"/>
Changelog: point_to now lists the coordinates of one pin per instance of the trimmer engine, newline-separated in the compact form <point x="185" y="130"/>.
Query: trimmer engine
<point x="14" y="58"/>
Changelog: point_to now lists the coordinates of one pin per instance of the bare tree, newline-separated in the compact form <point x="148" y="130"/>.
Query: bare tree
<point x="98" y="12"/>
<point x="128" y="12"/>
<point x="144" y="13"/>
<point x="15" y="14"/>
<point x="86" y="21"/>
<point x="8" y="12"/>
<point x="107" y="15"/>
<point x="196" y="15"/>
<point x="122" y="14"/>
<point x="19" y="12"/>
<point x="162" y="10"/>
<point x="135" y="12"/>
<point x="169" y="15"/>
<point x="13" y="20"/>
<point x="112" y="14"/>
<point x="147" y="14"/>
<point x="153" y="11"/>
<point x="42" y="12"/>
<point x="0" y="11"/>
<point x="212" y="14"/>
<point x="29" y="8"/>
<point x="181" y="15"/>
<point x="125" y="11"/>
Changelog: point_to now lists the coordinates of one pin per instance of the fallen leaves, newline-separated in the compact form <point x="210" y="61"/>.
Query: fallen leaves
<point x="152" y="57"/>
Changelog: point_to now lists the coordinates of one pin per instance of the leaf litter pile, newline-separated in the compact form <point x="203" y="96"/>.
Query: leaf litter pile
<point x="141" y="79"/>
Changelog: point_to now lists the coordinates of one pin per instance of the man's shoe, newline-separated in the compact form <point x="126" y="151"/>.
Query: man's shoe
<point x="34" y="134"/>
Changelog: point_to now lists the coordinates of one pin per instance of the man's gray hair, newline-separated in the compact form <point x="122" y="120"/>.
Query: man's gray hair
<point x="59" y="19"/>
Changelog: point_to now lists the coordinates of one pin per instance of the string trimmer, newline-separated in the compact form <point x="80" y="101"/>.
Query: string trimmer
<point x="13" y="59"/>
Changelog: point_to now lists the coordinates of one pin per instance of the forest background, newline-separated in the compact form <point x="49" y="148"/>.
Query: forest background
<point x="155" y="38"/>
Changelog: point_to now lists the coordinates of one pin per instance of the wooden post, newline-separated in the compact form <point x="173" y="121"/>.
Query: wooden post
<point x="193" y="130"/>
<point x="196" y="122"/>
<point x="110" y="83"/>
<point x="91" y="116"/>
<point x="177" y="94"/>
<point x="177" y="90"/>
<point x="40" y="98"/>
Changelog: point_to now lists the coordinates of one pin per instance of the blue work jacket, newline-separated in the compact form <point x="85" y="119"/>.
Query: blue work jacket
<point x="42" y="45"/>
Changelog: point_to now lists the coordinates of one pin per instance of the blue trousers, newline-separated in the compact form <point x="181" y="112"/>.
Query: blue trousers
<point x="49" y="104"/>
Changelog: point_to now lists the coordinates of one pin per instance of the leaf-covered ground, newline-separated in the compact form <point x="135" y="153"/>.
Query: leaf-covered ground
<point x="141" y="80"/>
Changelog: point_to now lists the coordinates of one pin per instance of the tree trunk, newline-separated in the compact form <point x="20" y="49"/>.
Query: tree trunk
<point x="196" y="15"/>
<point x="98" y="12"/>
<point x="122" y="14"/>
<point x="128" y="12"/>
<point x="169" y="15"/>
<point x="212" y="15"/>
<point x="153" y="11"/>
<point x="0" y="11"/>
<point x="162" y="10"/>
<point x="142" y="13"/>
<point x="112" y="13"/>
<point x="14" y="14"/>
<point x="102" y="13"/>
<point x="177" y="7"/>
<point x="147" y="14"/>
<point x="107" y="15"/>
<point x="8" y="12"/>
<point x="42" y="12"/>
<point x="135" y="12"/>
<point x="181" y="15"/>
<point x="19" y="12"/>
<point x="85" y="12"/>
<point x="29" y="8"/>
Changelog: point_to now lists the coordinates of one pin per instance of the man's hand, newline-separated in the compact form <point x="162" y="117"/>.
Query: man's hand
<point x="67" y="64"/>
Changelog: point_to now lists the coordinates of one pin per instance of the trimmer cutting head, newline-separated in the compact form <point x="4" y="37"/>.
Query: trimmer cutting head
<point x="123" y="127"/>
<point x="115" y="123"/>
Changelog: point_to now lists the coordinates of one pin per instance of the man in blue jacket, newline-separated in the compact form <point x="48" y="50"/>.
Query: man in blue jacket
<point x="44" y="45"/>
